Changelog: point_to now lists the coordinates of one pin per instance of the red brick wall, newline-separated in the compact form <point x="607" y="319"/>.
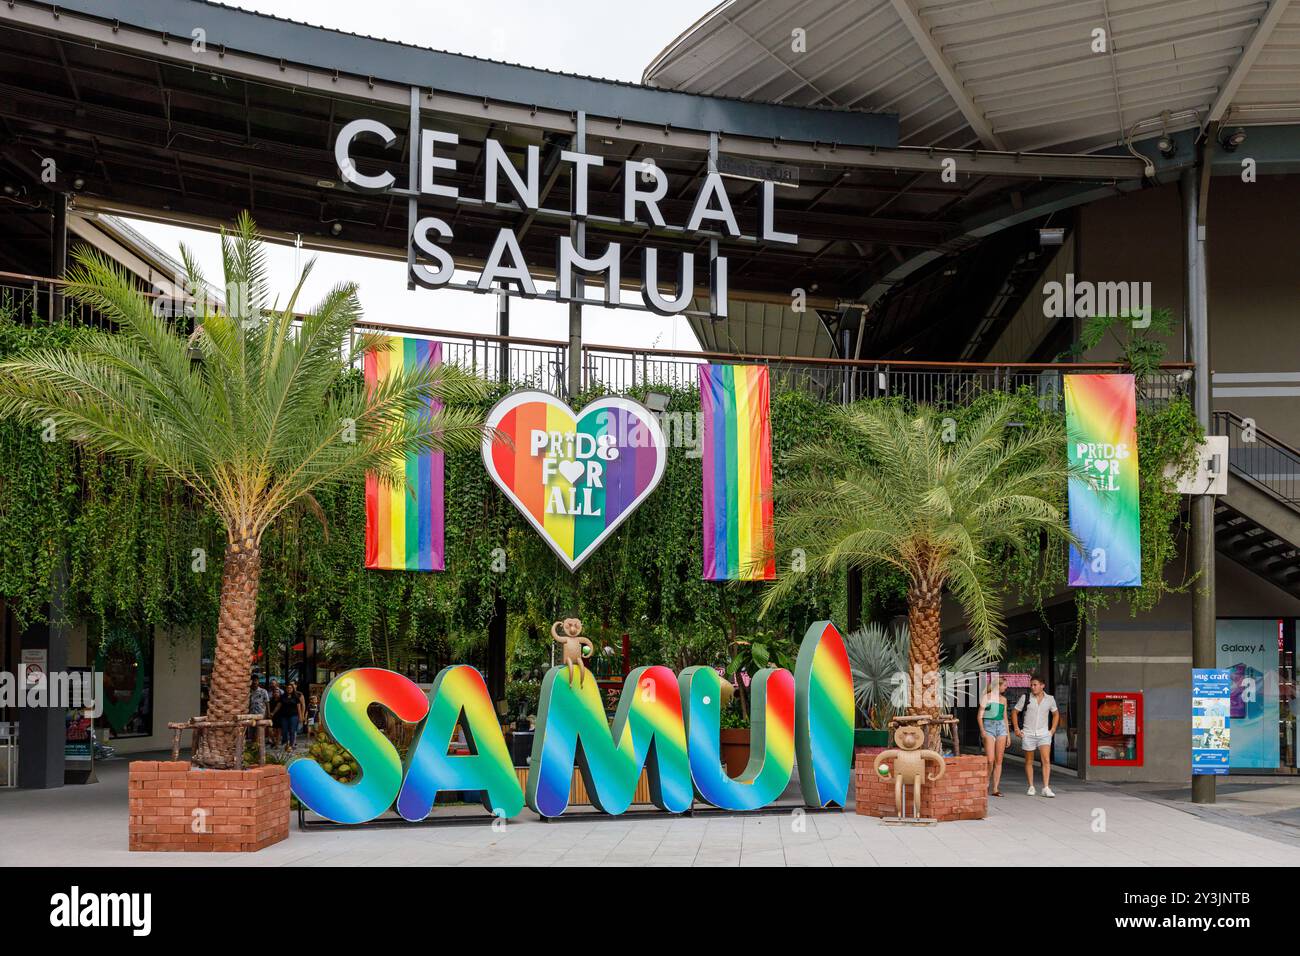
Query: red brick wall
<point x="244" y="810"/>
<point x="961" y="794"/>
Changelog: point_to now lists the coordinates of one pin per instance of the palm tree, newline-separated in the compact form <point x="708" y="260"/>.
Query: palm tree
<point x="896" y="488"/>
<point x="878" y="661"/>
<point x="252" y="412"/>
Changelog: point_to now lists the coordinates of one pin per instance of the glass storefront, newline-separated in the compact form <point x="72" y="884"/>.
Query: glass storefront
<point x="1046" y="644"/>
<point x="125" y="657"/>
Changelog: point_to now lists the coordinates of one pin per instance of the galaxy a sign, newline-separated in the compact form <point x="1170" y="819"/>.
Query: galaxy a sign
<point x="644" y="185"/>
<point x="667" y="726"/>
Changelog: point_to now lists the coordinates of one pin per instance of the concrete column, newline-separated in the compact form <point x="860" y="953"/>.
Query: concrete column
<point x="41" y="730"/>
<point x="1202" y="506"/>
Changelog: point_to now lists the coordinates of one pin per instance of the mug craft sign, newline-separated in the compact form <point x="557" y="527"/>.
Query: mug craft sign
<point x="575" y="476"/>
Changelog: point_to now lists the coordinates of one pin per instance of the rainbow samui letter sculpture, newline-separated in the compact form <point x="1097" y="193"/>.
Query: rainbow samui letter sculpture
<point x="771" y="738"/>
<point x="667" y="726"/>
<point x="344" y="711"/>
<point x="649" y="712"/>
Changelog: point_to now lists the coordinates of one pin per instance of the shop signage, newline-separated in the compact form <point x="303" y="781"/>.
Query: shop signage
<point x="35" y="666"/>
<point x="1211" y="720"/>
<point x="643" y="186"/>
<point x="666" y="725"/>
<point x="575" y="476"/>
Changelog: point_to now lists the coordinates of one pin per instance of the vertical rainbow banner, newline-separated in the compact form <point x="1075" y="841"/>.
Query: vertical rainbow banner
<point x="404" y="525"/>
<point x="1101" y="430"/>
<point x="738" y="536"/>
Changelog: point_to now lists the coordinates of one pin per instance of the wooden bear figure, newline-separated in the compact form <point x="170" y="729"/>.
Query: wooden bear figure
<point x="573" y="643"/>
<point x="909" y="766"/>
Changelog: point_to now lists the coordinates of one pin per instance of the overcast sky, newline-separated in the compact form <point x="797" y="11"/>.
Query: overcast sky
<point x="602" y="38"/>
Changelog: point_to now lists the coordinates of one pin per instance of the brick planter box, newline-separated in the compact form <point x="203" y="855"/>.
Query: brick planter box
<point x="174" y="807"/>
<point x="961" y="794"/>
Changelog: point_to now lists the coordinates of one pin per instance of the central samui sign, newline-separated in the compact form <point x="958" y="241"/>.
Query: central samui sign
<point x="643" y="186"/>
<point x="666" y="725"/>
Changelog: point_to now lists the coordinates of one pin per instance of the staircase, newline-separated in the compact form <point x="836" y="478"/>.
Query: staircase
<point x="1257" y="523"/>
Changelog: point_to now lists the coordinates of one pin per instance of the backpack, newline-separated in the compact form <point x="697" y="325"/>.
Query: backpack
<point x="1022" y="708"/>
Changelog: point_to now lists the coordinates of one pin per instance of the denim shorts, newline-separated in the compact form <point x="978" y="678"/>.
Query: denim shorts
<point x="995" y="728"/>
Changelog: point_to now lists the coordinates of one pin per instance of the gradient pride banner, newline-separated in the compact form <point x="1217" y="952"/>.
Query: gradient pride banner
<point x="1101" y="430"/>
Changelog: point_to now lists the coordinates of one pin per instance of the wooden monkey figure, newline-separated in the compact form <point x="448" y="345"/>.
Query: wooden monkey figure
<point x="573" y="642"/>
<point x="909" y="766"/>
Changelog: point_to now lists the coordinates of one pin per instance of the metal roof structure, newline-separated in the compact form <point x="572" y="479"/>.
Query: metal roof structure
<point x="1004" y="74"/>
<point x="141" y="119"/>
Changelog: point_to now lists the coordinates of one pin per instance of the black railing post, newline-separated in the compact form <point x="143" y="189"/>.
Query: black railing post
<point x="503" y="330"/>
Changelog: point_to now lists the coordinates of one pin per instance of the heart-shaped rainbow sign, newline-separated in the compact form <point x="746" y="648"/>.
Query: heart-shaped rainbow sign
<point x="575" y="477"/>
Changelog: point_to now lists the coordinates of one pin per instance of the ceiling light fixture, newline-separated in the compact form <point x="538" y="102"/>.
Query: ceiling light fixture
<point x="1230" y="140"/>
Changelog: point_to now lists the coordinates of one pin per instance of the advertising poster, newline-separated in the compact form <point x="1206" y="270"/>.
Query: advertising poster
<point x="1101" y="433"/>
<point x="78" y="742"/>
<point x="1248" y="651"/>
<point x="1211" y="720"/>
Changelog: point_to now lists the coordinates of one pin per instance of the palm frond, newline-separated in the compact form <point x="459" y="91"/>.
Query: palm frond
<point x="270" y="412"/>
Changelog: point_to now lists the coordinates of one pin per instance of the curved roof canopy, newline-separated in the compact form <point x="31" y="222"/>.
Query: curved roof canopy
<point x="1004" y="74"/>
<point x="141" y="121"/>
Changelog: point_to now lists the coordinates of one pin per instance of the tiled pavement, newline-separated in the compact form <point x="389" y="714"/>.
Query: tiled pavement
<point x="1087" y="824"/>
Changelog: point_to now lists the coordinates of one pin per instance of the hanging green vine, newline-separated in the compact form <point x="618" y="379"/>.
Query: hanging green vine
<point x="138" y="552"/>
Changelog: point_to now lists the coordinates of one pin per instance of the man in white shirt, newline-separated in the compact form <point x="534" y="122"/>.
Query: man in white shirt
<point x="1034" y="719"/>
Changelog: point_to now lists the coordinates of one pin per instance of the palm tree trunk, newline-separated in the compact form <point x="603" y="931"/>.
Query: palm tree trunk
<point x="232" y="667"/>
<point x="923" y="603"/>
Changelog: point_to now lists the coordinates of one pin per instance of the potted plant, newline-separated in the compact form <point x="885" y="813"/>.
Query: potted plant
<point x="874" y="661"/>
<point x="878" y="659"/>
<point x="734" y="738"/>
<point x="253" y="407"/>
<point x="748" y="657"/>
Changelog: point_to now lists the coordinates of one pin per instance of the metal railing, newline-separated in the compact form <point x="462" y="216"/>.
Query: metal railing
<point x="543" y="363"/>
<point x="31" y="299"/>
<point x="1261" y="459"/>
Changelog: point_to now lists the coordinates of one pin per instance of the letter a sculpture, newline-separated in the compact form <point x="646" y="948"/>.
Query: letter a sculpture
<point x="908" y="769"/>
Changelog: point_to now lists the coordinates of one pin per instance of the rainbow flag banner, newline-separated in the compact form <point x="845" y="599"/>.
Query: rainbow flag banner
<point x="404" y="526"/>
<point x="1101" y="429"/>
<point x="738" y="535"/>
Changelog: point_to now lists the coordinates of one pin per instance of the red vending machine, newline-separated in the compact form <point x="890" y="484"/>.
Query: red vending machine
<point x="1116" y="729"/>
